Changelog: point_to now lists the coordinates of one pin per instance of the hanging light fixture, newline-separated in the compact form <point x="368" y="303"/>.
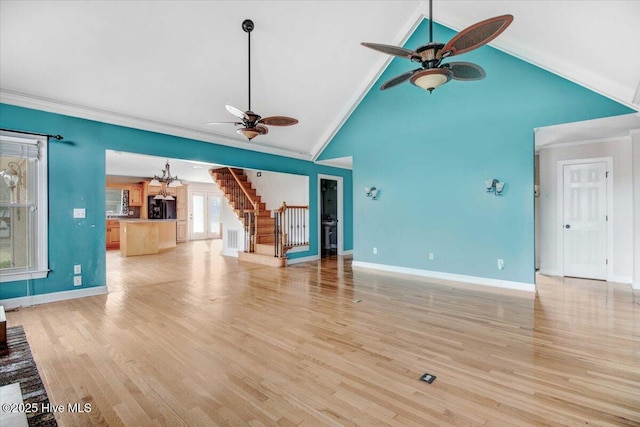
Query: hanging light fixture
<point x="164" y="181"/>
<point x="166" y="178"/>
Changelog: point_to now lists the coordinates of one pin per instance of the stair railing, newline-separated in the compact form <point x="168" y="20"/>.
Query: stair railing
<point x="290" y="229"/>
<point x="241" y="201"/>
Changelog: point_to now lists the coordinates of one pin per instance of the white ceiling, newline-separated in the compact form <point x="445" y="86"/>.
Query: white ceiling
<point x="133" y="167"/>
<point x="170" y="66"/>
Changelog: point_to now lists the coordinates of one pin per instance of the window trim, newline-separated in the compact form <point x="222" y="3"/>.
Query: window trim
<point x="39" y="231"/>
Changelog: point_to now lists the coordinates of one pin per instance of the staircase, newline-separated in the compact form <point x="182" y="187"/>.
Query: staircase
<point x="260" y="240"/>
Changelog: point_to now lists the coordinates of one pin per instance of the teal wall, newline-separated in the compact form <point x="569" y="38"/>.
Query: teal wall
<point x="77" y="179"/>
<point x="430" y="154"/>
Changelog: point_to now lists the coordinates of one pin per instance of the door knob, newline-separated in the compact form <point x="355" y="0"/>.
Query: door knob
<point x="567" y="226"/>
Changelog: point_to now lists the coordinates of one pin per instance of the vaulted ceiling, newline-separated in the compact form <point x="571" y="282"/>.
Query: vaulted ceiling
<point x="171" y="66"/>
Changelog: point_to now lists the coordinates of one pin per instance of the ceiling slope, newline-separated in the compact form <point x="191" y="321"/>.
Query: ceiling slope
<point x="171" y="66"/>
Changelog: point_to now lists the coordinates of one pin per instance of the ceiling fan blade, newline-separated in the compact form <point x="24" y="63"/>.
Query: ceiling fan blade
<point x="477" y="35"/>
<point x="398" y="79"/>
<point x="222" y="123"/>
<point x="278" y="121"/>
<point x="236" y="112"/>
<point x="262" y="129"/>
<point x="392" y="50"/>
<point x="466" y="71"/>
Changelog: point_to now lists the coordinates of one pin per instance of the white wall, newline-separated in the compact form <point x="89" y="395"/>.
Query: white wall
<point x="230" y="221"/>
<point x="228" y="217"/>
<point x="623" y="215"/>
<point x="275" y="188"/>
<point x="635" y="137"/>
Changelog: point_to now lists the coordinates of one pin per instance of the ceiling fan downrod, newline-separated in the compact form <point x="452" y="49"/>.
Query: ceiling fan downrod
<point x="247" y="26"/>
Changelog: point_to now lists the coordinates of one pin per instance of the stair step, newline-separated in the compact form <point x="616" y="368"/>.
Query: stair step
<point x="264" y="249"/>
<point x="268" y="260"/>
<point x="265" y="238"/>
<point x="264" y="221"/>
<point x="265" y="229"/>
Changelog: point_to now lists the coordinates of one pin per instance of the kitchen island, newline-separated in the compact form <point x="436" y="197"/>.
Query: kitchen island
<point x="146" y="236"/>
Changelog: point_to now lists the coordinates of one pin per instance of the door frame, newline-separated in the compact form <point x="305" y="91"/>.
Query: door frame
<point x="560" y="213"/>
<point x="340" y="226"/>
<point x="206" y="194"/>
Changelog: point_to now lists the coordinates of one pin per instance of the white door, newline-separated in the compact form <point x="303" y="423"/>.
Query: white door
<point x="205" y="215"/>
<point x="585" y="220"/>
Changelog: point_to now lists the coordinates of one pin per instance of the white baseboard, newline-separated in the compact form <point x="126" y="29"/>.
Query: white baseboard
<point x="519" y="286"/>
<point x="549" y="272"/>
<point x="303" y="259"/>
<point x="636" y="285"/>
<point x="230" y="252"/>
<point x="298" y="249"/>
<point x="53" y="297"/>
<point x="622" y="279"/>
<point x="349" y="252"/>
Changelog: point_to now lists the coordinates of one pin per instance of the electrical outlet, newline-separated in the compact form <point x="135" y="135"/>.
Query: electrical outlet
<point x="77" y="269"/>
<point x="79" y="213"/>
<point x="431" y="256"/>
<point x="375" y="251"/>
<point x="500" y="264"/>
<point x="77" y="280"/>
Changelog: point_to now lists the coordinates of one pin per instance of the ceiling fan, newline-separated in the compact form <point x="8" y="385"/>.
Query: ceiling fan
<point x="433" y="72"/>
<point x="252" y="124"/>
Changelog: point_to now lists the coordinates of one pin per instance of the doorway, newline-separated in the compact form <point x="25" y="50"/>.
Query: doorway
<point x="584" y="209"/>
<point x="204" y="217"/>
<point x="330" y="215"/>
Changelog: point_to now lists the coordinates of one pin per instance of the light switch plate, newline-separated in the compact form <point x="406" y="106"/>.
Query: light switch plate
<point x="79" y="213"/>
<point x="77" y="269"/>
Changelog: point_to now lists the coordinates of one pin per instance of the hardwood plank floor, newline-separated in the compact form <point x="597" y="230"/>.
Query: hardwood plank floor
<point x="188" y="337"/>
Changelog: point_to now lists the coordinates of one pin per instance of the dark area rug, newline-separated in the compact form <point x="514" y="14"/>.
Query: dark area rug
<point x="17" y="366"/>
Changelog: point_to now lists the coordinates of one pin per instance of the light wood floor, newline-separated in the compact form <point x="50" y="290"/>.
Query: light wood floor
<point x="191" y="338"/>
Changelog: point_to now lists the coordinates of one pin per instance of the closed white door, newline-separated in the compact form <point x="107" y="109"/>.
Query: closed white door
<point x="585" y="220"/>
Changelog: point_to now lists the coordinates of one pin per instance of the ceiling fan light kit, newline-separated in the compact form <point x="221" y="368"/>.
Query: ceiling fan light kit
<point x="431" y="79"/>
<point x="433" y="72"/>
<point x="252" y="124"/>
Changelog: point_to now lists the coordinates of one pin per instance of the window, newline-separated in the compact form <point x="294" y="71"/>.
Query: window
<point x="115" y="202"/>
<point x="23" y="207"/>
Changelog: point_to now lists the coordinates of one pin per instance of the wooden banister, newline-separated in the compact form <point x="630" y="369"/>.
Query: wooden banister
<point x="290" y="228"/>
<point x="244" y="190"/>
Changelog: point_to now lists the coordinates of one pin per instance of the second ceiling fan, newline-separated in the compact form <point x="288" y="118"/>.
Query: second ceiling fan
<point x="251" y="124"/>
<point x="433" y="72"/>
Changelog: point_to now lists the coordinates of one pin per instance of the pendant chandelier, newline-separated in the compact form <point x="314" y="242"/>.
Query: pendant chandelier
<point x="164" y="181"/>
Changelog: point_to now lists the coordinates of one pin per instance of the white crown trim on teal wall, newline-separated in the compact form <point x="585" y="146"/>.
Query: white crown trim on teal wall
<point x="105" y="116"/>
<point x="484" y="281"/>
<point x="53" y="297"/>
<point x="586" y="142"/>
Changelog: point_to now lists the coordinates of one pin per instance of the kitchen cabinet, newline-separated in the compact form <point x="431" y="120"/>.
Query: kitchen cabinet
<point x="113" y="234"/>
<point x="135" y="195"/>
<point x="181" y="231"/>
<point x="182" y="213"/>
<point x="154" y="190"/>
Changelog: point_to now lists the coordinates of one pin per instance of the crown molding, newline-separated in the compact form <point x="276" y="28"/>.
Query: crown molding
<point x="91" y="113"/>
